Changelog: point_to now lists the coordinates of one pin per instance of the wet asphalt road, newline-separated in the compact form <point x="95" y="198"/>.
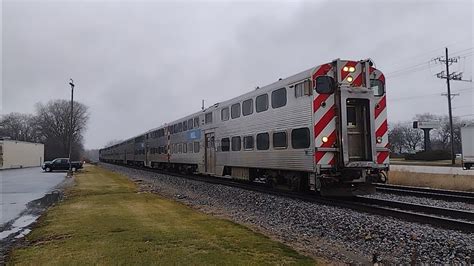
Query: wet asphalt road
<point x="20" y="186"/>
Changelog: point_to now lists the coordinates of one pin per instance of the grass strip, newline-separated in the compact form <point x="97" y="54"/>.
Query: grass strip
<point x="105" y="220"/>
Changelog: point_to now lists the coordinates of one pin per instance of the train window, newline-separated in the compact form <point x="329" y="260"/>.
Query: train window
<point x="235" y="110"/>
<point x="185" y="148"/>
<point x="225" y="144"/>
<point x="248" y="143"/>
<point x="280" y="140"/>
<point x="263" y="141"/>
<point x="196" y="147"/>
<point x="303" y="88"/>
<point x="300" y="138"/>
<point x="190" y="147"/>
<point x="196" y="122"/>
<point x="377" y="86"/>
<point x="351" y="117"/>
<point x="180" y="127"/>
<point x="247" y="107"/>
<point x="225" y="114"/>
<point x="175" y="128"/>
<point x="185" y="125"/>
<point x="208" y="118"/>
<point x="261" y="103"/>
<point x="279" y="98"/>
<point x="236" y="144"/>
<point x="190" y="124"/>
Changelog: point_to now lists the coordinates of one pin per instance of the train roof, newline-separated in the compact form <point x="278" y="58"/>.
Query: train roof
<point x="275" y="85"/>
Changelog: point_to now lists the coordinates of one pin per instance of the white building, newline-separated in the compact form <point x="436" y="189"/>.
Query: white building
<point x="19" y="154"/>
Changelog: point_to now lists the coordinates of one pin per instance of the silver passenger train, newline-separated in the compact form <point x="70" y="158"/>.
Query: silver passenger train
<point x="324" y="129"/>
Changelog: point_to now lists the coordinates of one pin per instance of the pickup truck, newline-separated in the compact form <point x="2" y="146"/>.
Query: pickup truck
<point x="60" y="164"/>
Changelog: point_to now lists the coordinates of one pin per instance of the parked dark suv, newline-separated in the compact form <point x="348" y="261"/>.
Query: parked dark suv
<point x="60" y="164"/>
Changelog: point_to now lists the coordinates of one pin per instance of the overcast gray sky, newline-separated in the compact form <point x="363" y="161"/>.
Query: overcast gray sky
<point x="137" y="64"/>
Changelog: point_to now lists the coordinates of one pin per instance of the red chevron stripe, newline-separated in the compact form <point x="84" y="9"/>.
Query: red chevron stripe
<point x="319" y="100"/>
<point x="382" y="129"/>
<point x="324" y="121"/>
<point x="333" y="161"/>
<point x="381" y="156"/>
<point x="331" y="140"/>
<point x="357" y="81"/>
<point x="322" y="70"/>
<point x="382" y="104"/>
<point x="319" y="155"/>
<point x="382" y="78"/>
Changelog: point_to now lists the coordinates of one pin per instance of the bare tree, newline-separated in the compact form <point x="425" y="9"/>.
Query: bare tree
<point x="396" y="138"/>
<point x="413" y="138"/>
<point x="53" y="124"/>
<point x="19" y="127"/>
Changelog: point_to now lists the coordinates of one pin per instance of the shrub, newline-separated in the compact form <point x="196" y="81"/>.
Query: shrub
<point x="429" y="155"/>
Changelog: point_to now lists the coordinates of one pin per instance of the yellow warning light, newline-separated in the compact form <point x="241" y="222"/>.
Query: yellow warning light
<point x="345" y="68"/>
<point x="324" y="139"/>
<point x="349" y="78"/>
<point x="352" y="69"/>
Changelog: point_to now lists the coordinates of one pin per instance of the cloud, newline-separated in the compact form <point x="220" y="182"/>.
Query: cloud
<point x="140" y="64"/>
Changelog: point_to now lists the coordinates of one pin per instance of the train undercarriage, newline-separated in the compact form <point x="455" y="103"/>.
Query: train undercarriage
<point x="350" y="182"/>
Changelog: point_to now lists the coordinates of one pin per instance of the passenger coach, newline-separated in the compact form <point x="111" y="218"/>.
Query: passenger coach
<point x="323" y="129"/>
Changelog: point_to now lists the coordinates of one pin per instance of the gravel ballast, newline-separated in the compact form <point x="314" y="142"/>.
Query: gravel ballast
<point x="338" y="234"/>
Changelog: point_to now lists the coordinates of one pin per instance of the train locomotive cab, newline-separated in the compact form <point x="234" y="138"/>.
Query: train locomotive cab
<point x="350" y="128"/>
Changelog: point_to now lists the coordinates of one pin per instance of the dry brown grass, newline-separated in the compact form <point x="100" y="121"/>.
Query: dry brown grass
<point x="441" y="181"/>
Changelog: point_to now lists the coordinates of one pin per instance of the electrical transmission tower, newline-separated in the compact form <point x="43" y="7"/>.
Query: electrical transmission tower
<point x="457" y="76"/>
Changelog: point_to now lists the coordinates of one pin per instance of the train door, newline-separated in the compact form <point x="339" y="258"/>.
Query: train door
<point x="358" y="130"/>
<point x="210" y="153"/>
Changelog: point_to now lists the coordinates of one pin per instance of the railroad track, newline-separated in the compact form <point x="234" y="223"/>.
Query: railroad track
<point x="446" y="195"/>
<point x="439" y="217"/>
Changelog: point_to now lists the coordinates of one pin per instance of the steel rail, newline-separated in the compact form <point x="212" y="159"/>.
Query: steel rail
<point x="447" y="195"/>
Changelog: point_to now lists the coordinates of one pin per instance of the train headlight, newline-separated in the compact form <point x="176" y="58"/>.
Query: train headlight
<point x="345" y="69"/>
<point x="350" y="79"/>
<point x="324" y="139"/>
<point x="379" y="139"/>
<point x="352" y="69"/>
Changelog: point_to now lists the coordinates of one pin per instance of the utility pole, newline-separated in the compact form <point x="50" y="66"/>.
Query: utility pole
<point x="71" y="83"/>
<point x="453" y="76"/>
<point x="450" y="109"/>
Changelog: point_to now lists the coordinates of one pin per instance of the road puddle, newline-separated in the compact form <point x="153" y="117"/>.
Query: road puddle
<point x="18" y="225"/>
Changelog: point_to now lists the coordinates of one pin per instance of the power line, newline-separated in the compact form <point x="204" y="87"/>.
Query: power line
<point x="436" y="50"/>
<point x="422" y="66"/>
<point x="460" y="51"/>
<point x="463" y="106"/>
<point x="465" y="115"/>
<point x="414" y="97"/>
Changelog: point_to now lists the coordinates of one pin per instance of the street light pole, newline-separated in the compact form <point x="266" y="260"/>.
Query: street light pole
<point x="71" y="83"/>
